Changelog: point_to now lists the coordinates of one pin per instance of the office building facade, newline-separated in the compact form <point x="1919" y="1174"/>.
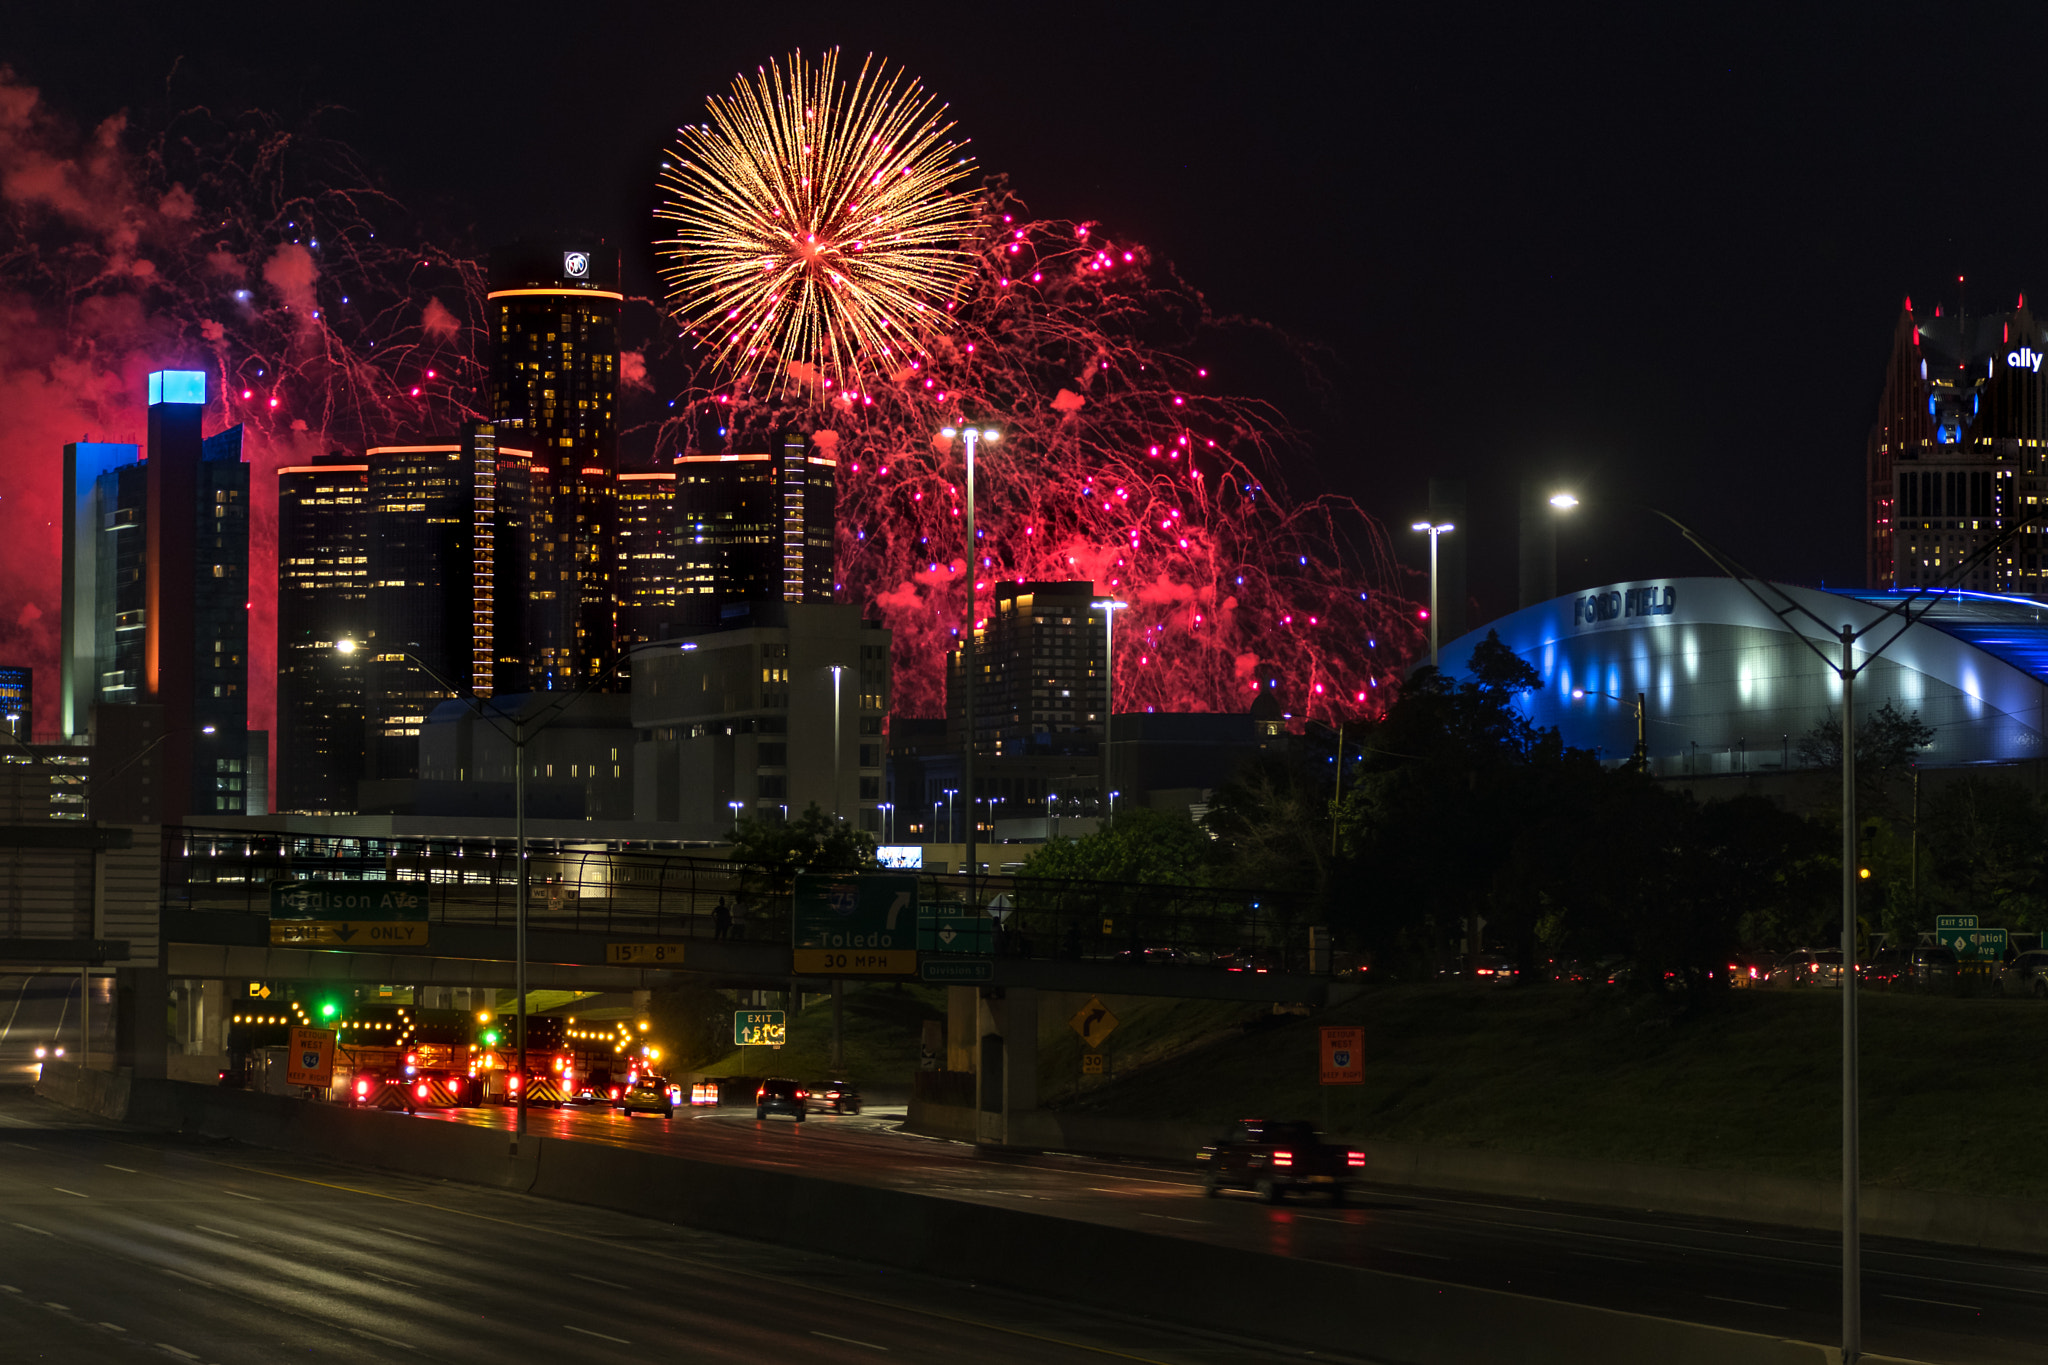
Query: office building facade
<point x="1041" y="700"/>
<point x="782" y="708"/>
<point x="646" y="579"/>
<point x="1959" y="451"/>
<point x="553" y="311"/>
<point x="753" y="527"/>
<point x="323" y="578"/>
<point x="432" y="589"/>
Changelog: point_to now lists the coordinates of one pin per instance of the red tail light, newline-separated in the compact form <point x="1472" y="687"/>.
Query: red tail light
<point x="1283" y="1158"/>
<point x="615" y="1092"/>
<point x="1354" y="1158"/>
<point x="514" y="1082"/>
<point x="762" y="1093"/>
<point x="362" y="1087"/>
<point x="803" y="1094"/>
<point x="421" y="1090"/>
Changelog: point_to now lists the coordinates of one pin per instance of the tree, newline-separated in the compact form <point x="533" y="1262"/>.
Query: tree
<point x="1140" y="845"/>
<point x="1983" y="847"/>
<point x="1886" y="739"/>
<point x="771" y="853"/>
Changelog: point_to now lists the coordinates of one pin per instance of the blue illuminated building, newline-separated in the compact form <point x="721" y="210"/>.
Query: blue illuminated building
<point x="1726" y="687"/>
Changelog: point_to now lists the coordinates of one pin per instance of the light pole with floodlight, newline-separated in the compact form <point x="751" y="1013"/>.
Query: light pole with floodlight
<point x="1434" y="529"/>
<point x="1109" y="607"/>
<point x="1641" y="761"/>
<point x="970" y="437"/>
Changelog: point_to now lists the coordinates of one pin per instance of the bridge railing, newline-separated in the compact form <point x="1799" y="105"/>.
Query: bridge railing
<point x="669" y="894"/>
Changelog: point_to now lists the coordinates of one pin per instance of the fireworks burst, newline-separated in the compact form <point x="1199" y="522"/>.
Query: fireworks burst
<point x="1123" y="462"/>
<point x="819" y="224"/>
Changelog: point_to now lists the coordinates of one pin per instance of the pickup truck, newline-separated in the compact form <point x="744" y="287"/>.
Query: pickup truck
<point x="1272" y="1159"/>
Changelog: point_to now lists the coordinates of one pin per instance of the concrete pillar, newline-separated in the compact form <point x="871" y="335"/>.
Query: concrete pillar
<point x="1006" y="1078"/>
<point x="963" y="1004"/>
<point x="643" y="1001"/>
<point x="213" y="1018"/>
<point x="142" y="1007"/>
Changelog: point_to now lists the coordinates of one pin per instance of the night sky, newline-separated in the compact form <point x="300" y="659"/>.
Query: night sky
<point x="1655" y="257"/>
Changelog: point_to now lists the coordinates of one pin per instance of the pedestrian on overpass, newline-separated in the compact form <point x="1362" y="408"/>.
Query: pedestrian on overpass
<point x="721" y="920"/>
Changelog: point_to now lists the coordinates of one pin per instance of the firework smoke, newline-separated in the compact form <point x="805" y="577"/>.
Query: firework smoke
<point x="264" y="256"/>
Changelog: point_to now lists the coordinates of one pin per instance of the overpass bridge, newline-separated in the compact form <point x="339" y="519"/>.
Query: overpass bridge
<point x="585" y="901"/>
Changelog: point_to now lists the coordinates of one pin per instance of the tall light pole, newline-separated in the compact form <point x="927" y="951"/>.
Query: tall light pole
<point x="735" y="807"/>
<point x="1109" y="607"/>
<point x="888" y="809"/>
<point x="1434" y="529"/>
<point x="837" y="669"/>
<point x="952" y="822"/>
<point x="970" y="436"/>
<point x="1052" y="814"/>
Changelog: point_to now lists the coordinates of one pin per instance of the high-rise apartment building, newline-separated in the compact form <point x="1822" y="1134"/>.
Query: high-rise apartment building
<point x="553" y="312"/>
<point x="1040" y="702"/>
<point x="1959" y="450"/>
<point x="431" y="589"/>
<point x="323" y="574"/>
<point x="755" y="527"/>
<point x="646" y="579"/>
<point x="169" y="566"/>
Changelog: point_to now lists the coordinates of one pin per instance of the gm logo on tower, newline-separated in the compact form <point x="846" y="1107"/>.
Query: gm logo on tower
<point x="576" y="264"/>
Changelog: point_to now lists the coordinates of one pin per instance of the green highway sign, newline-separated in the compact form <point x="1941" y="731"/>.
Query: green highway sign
<point x="1972" y="944"/>
<point x="954" y="929"/>
<point x="347" y="900"/>
<point x="854" y="924"/>
<point x="759" y="1028"/>
<point x="957" y="969"/>
<point x="1942" y="922"/>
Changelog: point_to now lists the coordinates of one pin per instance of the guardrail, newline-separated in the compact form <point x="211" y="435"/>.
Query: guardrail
<point x="676" y="895"/>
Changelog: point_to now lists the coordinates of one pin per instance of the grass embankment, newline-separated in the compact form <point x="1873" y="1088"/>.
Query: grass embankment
<point x="883" y="1025"/>
<point x="1949" y="1099"/>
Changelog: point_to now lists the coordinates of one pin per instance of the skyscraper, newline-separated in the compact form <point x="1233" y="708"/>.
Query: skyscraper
<point x="431" y="596"/>
<point x="646" y="579"/>
<point x="1959" y="447"/>
<point x="1041" y="700"/>
<point x="323" y="571"/>
<point x="553" y="308"/>
<point x="170" y="568"/>
<point x="755" y="527"/>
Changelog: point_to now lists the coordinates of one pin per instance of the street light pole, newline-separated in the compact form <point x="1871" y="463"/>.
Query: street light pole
<point x="1110" y="607"/>
<point x="1433" y="529"/>
<point x="1852" y="1136"/>
<point x="837" y="669"/>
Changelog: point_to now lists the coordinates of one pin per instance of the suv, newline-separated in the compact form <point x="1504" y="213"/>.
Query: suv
<point x="1934" y="968"/>
<point x="2026" y="974"/>
<point x="781" y="1097"/>
<point x="648" y="1095"/>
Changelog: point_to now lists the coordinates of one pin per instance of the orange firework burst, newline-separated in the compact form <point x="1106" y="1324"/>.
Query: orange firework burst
<point x="819" y="225"/>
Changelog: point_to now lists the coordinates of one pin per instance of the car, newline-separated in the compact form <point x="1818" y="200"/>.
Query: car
<point x="781" y="1096"/>
<point x="1809" y="967"/>
<point x="1934" y="968"/>
<point x="2026" y="974"/>
<point x="648" y="1095"/>
<point x="1491" y="969"/>
<point x="1888" y="969"/>
<point x="1751" y="970"/>
<point x="835" y="1097"/>
<point x="1154" y="957"/>
<point x="1275" y="1159"/>
<point x="1248" y="960"/>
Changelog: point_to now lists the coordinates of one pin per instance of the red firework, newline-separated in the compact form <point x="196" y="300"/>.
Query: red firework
<point x="1122" y="461"/>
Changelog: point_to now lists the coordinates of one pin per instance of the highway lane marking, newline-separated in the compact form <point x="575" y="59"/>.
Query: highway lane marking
<point x="193" y="1279"/>
<point x="849" y="1341"/>
<point x="166" y="1346"/>
<point x="1938" y="1303"/>
<point x="394" y="1231"/>
<point x="239" y="1195"/>
<point x="112" y="1167"/>
<point x="1407" y="1251"/>
<point x="113" y="1326"/>
<point x="236" y="1237"/>
<point x="52" y="1303"/>
<point x="1604" y="1256"/>
<point x="26" y="1228"/>
<point x="1748" y="1303"/>
<point x="1169" y="1217"/>
<point x="73" y="1193"/>
<point x="594" y="1280"/>
<point x="787" y="1282"/>
<point x="388" y="1341"/>
<point x="387" y="1279"/>
<point x="9" y="1288"/>
<point x="585" y="1331"/>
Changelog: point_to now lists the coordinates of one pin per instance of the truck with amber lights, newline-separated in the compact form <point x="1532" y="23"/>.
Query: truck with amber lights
<point x="1275" y="1159"/>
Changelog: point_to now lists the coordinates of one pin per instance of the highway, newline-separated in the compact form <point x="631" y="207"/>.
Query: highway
<point x="117" y="1245"/>
<point x="41" y="1010"/>
<point x="1922" y="1302"/>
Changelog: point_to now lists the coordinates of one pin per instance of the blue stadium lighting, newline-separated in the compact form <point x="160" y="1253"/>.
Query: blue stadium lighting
<point x="177" y="386"/>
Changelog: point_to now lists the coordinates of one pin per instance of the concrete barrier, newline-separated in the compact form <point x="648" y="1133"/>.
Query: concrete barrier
<point x="955" y="1121"/>
<point x="1398" y="1319"/>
